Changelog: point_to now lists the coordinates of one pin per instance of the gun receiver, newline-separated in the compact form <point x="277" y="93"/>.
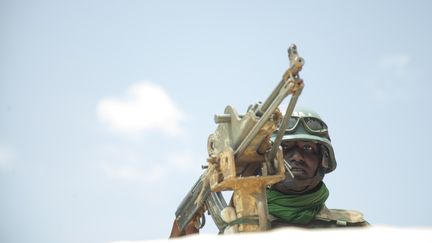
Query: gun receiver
<point x="243" y="158"/>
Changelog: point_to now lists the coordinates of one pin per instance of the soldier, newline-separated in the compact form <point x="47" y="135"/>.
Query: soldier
<point x="300" y="201"/>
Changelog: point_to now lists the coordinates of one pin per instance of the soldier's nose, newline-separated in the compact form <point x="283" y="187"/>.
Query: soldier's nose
<point x="296" y="155"/>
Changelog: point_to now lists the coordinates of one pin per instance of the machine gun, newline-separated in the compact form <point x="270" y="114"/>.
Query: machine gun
<point x="243" y="158"/>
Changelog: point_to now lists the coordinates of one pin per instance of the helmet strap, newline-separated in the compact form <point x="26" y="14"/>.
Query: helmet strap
<point x="325" y="157"/>
<point x="300" y="186"/>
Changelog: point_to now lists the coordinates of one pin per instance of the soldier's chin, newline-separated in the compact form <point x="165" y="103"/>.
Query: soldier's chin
<point x="299" y="174"/>
<point x="301" y="177"/>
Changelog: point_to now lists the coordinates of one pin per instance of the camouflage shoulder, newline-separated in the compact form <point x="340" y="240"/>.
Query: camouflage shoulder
<point x="340" y="216"/>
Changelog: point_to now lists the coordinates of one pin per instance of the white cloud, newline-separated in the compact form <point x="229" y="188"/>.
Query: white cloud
<point x="185" y="161"/>
<point x="397" y="64"/>
<point x="146" y="167"/>
<point x="126" y="164"/>
<point x="131" y="164"/>
<point x="135" y="175"/>
<point x="395" y="80"/>
<point x="6" y="158"/>
<point x="146" y="107"/>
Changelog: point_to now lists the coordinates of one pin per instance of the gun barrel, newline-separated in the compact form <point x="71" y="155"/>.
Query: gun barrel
<point x="270" y="99"/>
<point x="282" y="93"/>
<point x="284" y="123"/>
<point x="296" y="64"/>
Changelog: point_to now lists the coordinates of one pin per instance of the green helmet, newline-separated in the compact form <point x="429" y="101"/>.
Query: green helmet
<point x="306" y="125"/>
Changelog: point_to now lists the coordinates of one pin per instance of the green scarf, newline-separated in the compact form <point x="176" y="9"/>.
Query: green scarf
<point x="296" y="209"/>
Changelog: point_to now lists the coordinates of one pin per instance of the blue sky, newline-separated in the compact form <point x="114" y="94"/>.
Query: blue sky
<point x="106" y="106"/>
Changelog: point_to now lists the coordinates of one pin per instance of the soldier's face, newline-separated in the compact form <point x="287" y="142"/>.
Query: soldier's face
<point x="304" y="158"/>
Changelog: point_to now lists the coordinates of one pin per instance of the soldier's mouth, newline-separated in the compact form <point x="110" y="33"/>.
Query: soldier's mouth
<point x="298" y="171"/>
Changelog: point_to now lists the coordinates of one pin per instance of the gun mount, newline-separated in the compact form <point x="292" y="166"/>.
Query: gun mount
<point x="243" y="158"/>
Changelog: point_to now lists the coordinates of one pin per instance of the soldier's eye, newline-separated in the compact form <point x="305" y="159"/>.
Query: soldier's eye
<point x="308" y="149"/>
<point x="287" y="146"/>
